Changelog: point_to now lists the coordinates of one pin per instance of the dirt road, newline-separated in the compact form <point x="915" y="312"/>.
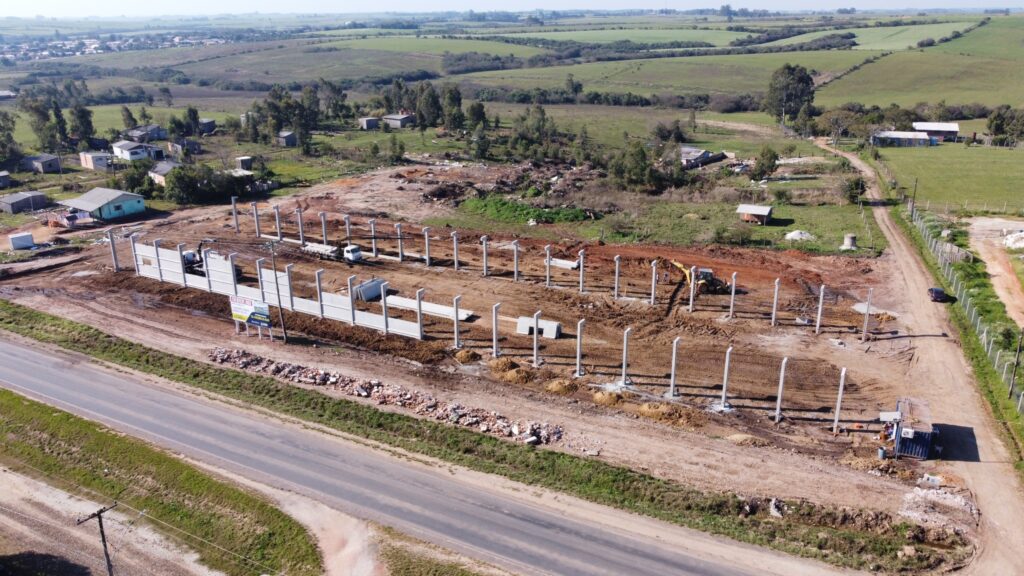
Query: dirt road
<point x="986" y="238"/>
<point x="939" y="373"/>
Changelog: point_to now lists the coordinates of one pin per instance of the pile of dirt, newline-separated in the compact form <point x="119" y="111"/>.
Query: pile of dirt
<point x="605" y="398"/>
<point x="501" y="365"/>
<point x="467" y="356"/>
<point x="562" y="386"/>
<point x="517" y="376"/>
<point x="748" y="440"/>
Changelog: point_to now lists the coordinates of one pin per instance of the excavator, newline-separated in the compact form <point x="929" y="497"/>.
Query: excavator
<point x="193" y="261"/>
<point x="705" y="279"/>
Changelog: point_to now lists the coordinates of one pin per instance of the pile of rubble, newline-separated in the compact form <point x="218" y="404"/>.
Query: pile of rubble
<point x="486" y="421"/>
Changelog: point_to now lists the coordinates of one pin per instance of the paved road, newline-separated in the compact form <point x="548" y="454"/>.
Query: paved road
<point x="517" y="533"/>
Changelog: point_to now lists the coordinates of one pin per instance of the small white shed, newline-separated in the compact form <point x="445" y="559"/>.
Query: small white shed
<point x="22" y="241"/>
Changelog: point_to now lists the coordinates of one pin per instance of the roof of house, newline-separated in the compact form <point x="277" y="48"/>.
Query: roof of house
<point x="126" y="145"/>
<point x="144" y="129"/>
<point x="937" y="126"/>
<point x="98" y="197"/>
<point x="164" y="167"/>
<point x="754" y="209"/>
<point x="691" y="153"/>
<point x="368" y="118"/>
<point x="4" y="173"/>
<point x="902" y="135"/>
<point x="205" y="120"/>
<point x="95" y="154"/>
<point x="399" y="116"/>
<point x="285" y="133"/>
<point x="19" y="196"/>
<point x="40" y="158"/>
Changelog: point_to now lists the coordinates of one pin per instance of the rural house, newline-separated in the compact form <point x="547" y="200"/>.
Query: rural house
<point x="755" y="213"/>
<point x="41" y="164"/>
<point x="695" y="157"/>
<point x="399" y="120"/>
<point x="102" y="161"/>
<point x="287" y="139"/>
<point x="901" y="139"/>
<point x="207" y="125"/>
<point x="147" y="133"/>
<point x="5" y="179"/>
<point x="158" y="174"/>
<point x="940" y="131"/>
<point x="369" y="123"/>
<point x="132" y="151"/>
<point x="184" y="146"/>
<point x="23" y="202"/>
<point x="243" y="162"/>
<point x="107" y="204"/>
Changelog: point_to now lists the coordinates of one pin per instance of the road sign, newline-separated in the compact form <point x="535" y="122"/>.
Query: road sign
<point x="249" y="311"/>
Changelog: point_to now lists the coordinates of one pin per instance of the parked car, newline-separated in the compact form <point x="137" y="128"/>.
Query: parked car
<point x="937" y="295"/>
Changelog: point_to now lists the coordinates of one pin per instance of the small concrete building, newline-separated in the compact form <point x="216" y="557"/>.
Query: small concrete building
<point x="207" y="126"/>
<point x="5" y="179"/>
<point x="147" y="133"/>
<point x="158" y="174"/>
<point x="369" y="123"/>
<point x="101" y="161"/>
<point x="755" y="213"/>
<point x="23" y="202"/>
<point x="107" y="203"/>
<point x="901" y="139"/>
<point x="22" y="241"/>
<point x="286" y="138"/>
<point x="41" y="164"/>
<point x="184" y="146"/>
<point x="132" y="151"/>
<point x="692" y="157"/>
<point x="940" y="131"/>
<point x="243" y="162"/>
<point x="399" y="120"/>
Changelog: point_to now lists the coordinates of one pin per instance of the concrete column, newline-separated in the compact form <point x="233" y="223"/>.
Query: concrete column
<point x="351" y="301"/>
<point x="277" y="221"/>
<point x="821" y="304"/>
<point x="113" y="250"/>
<point x="672" y="374"/>
<point x="536" y="339"/>
<point x="625" y="355"/>
<point x="323" y="225"/>
<point x="725" y="377"/>
<point x="181" y="263"/>
<point x="775" y="302"/>
<point x="494" y="330"/>
<point x="654" y="280"/>
<point x="579" y="347"/>
<point x="384" y="305"/>
<point x="1005" y="366"/>
<point x="839" y="400"/>
<point x="455" y="250"/>
<point x="732" y="297"/>
<point x="302" y="232"/>
<point x="256" y="217"/>
<point x="320" y="290"/>
<point x="419" y="311"/>
<point x="288" y="279"/>
<point x="373" y="237"/>
<point x="547" y="265"/>
<point x="231" y="266"/>
<point x="782" y="384"/>
<point x="348" y="230"/>
<point x="206" y="270"/>
<point x="159" y="267"/>
<point x="259" y="276"/>
<point x="867" y="316"/>
<point x="615" y="285"/>
<point x="135" y="256"/>
<point x="693" y="287"/>
<point x="581" y="254"/>
<point x="483" y="240"/>
<point x="401" y="251"/>
<point x="455" y="319"/>
<point x="426" y="245"/>
<point x="515" y="260"/>
<point x="234" y="212"/>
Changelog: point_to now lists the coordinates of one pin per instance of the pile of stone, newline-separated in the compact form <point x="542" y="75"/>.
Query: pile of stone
<point x="422" y="403"/>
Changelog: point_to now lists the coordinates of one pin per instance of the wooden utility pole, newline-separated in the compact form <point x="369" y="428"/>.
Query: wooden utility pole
<point x="98" y="515"/>
<point x="1016" y="362"/>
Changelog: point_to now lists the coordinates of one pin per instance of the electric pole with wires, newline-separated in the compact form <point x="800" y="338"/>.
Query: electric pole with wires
<point x="277" y="289"/>
<point x="98" y="515"/>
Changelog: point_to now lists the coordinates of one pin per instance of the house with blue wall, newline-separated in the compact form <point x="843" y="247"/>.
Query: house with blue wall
<point x="107" y="203"/>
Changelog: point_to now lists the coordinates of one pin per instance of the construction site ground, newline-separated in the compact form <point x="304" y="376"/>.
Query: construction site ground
<point x="678" y="438"/>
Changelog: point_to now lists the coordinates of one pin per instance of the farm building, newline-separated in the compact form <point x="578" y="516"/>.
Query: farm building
<point x="7" y="95"/>
<point x="369" y="123"/>
<point x="41" y="164"/>
<point x="102" y="161"/>
<point x="5" y="179"/>
<point x="23" y="202"/>
<point x="207" y="125"/>
<point x="287" y="139"/>
<point x="901" y="139"/>
<point x="107" y="204"/>
<point x="755" y="213"/>
<point x="695" y="157"/>
<point x="941" y="131"/>
<point x="158" y="174"/>
<point x="184" y="146"/>
<point x="399" y="120"/>
<point x="132" y="151"/>
<point x="243" y="162"/>
<point x="147" y="133"/>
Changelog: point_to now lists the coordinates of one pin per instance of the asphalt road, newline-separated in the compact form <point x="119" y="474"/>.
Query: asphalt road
<point x="430" y="503"/>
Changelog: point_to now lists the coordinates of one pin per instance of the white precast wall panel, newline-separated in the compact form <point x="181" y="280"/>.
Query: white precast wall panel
<point x="270" y="287"/>
<point x="221" y="272"/>
<point x="170" y="265"/>
<point x="307" y="306"/>
<point x="336" y="307"/>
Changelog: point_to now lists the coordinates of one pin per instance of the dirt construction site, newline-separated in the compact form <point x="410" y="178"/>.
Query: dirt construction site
<point x="687" y="436"/>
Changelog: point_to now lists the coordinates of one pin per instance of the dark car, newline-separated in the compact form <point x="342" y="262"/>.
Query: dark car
<point x="937" y="295"/>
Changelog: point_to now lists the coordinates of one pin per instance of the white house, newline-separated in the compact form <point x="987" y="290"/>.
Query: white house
<point x="131" y="151"/>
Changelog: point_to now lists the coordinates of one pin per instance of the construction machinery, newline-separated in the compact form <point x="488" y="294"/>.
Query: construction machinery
<point x="705" y="280"/>
<point x="351" y="253"/>
<point x="193" y="261"/>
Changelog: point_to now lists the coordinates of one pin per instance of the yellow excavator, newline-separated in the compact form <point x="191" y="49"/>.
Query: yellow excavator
<point x="705" y="279"/>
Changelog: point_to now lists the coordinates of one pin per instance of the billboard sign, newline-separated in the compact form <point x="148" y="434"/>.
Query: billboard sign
<point x="252" y="312"/>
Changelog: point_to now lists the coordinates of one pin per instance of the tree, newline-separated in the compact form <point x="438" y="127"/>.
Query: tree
<point x="791" y="87"/>
<point x="428" y="106"/>
<point x="309" y="109"/>
<point x="572" y="86"/>
<point x="805" y="120"/>
<point x="192" y="120"/>
<point x="60" y="124"/>
<point x="480" y="144"/>
<point x="144" y="116"/>
<point x="128" y="118"/>
<point x="81" y="122"/>
<point x="38" y="113"/>
<point x="836" y="122"/>
<point x="766" y="163"/>
<point x="8" y="147"/>
<point x="396" y="150"/>
<point x="165" y="95"/>
<point x="476" y="115"/>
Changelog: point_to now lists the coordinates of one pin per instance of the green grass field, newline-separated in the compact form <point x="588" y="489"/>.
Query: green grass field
<point x="884" y="38"/>
<point x="1002" y="39"/>
<point x="640" y="35"/>
<point x="438" y="46"/>
<point x="701" y="74"/>
<point x="953" y="173"/>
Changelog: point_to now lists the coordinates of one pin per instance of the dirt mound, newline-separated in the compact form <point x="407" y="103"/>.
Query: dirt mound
<point x="466" y="356"/>
<point x="562" y="386"/>
<point x="748" y="440"/>
<point x="502" y="365"/>
<point x="607" y="398"/>
<point x="519" y="376"/>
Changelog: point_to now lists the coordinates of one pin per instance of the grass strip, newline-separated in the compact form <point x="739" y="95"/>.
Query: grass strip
<point x="826" y="533"/>
<point x="121" y="468"/>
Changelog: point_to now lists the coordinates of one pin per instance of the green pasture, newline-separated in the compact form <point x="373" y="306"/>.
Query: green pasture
<point x="954" y="173"/>
<point x="641" y="35"/>
<point x="884" y="38"/>
<point x="437" y="46"/>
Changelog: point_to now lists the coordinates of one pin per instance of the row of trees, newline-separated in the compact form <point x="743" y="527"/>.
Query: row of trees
<point x="52" y="128"/>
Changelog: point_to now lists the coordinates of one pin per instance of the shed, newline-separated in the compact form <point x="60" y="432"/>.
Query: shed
<point x="399" y="120"/>
<point x="41" y="164"/>
<point x="243" y="162"/>
<point x="901" y="139"/>
<point x="548" y="328"/>
<point x="941" y="131"/>
<point x="107" y="203"/>
<point x="5" y="179"/>
<point x="158" y="174"/>
<point x="755" y="213"/>
<point x="207" y="125"/>
<point x="147" y="133"/>
<point x="23" y="202"/>
<point x="102" y="161"/>
<point x="22" y="241"/>
<point x="369" y="123"/>
<point x="913" y="433"/>
<point x="691" y="157"/>
<point x="184" y="146"/>
<point x="286" y="138"/>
